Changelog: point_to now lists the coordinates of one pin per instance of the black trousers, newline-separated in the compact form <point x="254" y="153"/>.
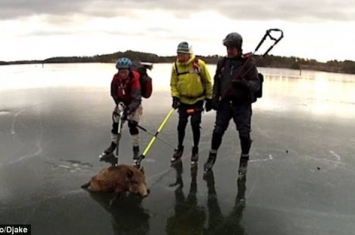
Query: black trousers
<point x="195" y="121"/>
<point x="241" y="114"/>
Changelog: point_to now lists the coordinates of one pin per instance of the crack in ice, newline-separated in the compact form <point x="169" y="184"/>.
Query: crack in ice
<point x="38" y="144"/>
<point x="15" y="119"/>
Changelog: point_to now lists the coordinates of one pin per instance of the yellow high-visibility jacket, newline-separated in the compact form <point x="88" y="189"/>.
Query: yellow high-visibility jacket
<point x="194" y="82"/>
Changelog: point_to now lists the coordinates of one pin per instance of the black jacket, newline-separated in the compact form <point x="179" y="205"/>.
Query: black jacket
<point x="227" y="71"/>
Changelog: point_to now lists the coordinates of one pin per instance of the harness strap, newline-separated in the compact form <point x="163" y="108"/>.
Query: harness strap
<point x="195" y="65"/>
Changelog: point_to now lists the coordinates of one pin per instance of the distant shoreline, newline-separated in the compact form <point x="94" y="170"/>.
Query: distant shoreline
<point x="270" y="61"/>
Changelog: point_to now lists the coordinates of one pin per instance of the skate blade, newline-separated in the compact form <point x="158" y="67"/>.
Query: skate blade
<point x="241" y="176"/>
<point x="137" y="163"/>
<point x="104" y="155"/>
<point x="109" y="158"/>
<point x="175" y="160"/>
<point x="207" y="171"/>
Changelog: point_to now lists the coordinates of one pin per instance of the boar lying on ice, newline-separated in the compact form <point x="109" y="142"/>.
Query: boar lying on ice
<point x="119" y="179"/>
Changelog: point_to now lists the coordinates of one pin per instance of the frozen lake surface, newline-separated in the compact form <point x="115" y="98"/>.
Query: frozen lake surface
<point x="55" y="121"/>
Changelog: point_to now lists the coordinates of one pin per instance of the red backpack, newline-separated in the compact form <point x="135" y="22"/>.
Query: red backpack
<point x="145" y="80"/>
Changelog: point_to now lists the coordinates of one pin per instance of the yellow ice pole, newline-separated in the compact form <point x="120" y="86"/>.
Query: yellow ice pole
<point x="137" y="162"/>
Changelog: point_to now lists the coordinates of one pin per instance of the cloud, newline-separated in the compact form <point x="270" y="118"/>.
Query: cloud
<point x="301" y="10"/>
<point x="78" y="27"/>
<point x="24" y="8"/>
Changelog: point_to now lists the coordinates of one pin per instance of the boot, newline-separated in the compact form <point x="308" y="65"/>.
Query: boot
<point x="245" y="144"/>
<point x="210" y="162"/>
<point x="178" y="154"/>
<point x="111" y="148"/>
<point x="243" y="165"/>
<point x="194" y="155"/>
<point x="108" y="156"/>
<point x="135" y="152"/>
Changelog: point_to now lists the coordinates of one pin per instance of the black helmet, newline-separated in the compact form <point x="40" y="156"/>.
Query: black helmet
<point x="233" y="40"/>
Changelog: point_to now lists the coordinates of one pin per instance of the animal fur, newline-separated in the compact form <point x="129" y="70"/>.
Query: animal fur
<point x="119" y="179"/>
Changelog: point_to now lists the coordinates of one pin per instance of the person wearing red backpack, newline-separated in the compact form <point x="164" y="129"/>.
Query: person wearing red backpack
<point x="191" y="89"/>
<point x="126" y="89"/>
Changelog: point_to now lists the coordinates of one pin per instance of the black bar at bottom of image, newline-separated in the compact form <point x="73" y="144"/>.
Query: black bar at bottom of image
<point x="14" y="229"/>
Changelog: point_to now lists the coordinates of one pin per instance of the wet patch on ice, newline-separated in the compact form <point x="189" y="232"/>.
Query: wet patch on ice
<point x="71" y="165"/>
<point x="4" y="112"/>
<point x="149" y="160"/>
<point x="268" y="158"/>
<point x="77" y="163"/>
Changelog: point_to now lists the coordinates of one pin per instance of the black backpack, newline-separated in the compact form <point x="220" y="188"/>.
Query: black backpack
<point x="259" y="93"/>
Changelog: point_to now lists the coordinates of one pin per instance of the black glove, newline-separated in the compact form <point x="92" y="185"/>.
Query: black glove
<point x="132" y="123"/>
<point x="126" y="113"/>
<point x="176" y="103"/>
<point x="115" y="117"/>
<point x="115" y="114"/>
<point x="215" y="103"/>
<point x="208" y="105"/>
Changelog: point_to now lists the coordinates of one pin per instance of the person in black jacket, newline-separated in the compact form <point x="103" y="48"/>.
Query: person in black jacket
<point x="232" y="98"/>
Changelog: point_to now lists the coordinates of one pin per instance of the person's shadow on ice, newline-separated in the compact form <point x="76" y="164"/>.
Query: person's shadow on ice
<point x="217" y="223"/>
<point x="190" y="218"/>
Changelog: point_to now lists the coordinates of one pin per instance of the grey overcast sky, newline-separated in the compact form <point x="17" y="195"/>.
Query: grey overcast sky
<point x="38" y="29"/>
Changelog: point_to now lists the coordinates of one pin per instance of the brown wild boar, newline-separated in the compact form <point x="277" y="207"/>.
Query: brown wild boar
<point x="119" y="179"/>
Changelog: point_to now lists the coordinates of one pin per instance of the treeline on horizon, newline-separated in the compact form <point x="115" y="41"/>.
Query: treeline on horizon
<point x="270" y="61"/>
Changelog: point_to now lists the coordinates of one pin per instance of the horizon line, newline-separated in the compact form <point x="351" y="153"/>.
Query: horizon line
<point x="209" y="55"/>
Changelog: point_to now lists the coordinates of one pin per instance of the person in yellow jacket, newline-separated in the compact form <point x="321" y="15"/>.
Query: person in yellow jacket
<point x="191" y="90"/>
